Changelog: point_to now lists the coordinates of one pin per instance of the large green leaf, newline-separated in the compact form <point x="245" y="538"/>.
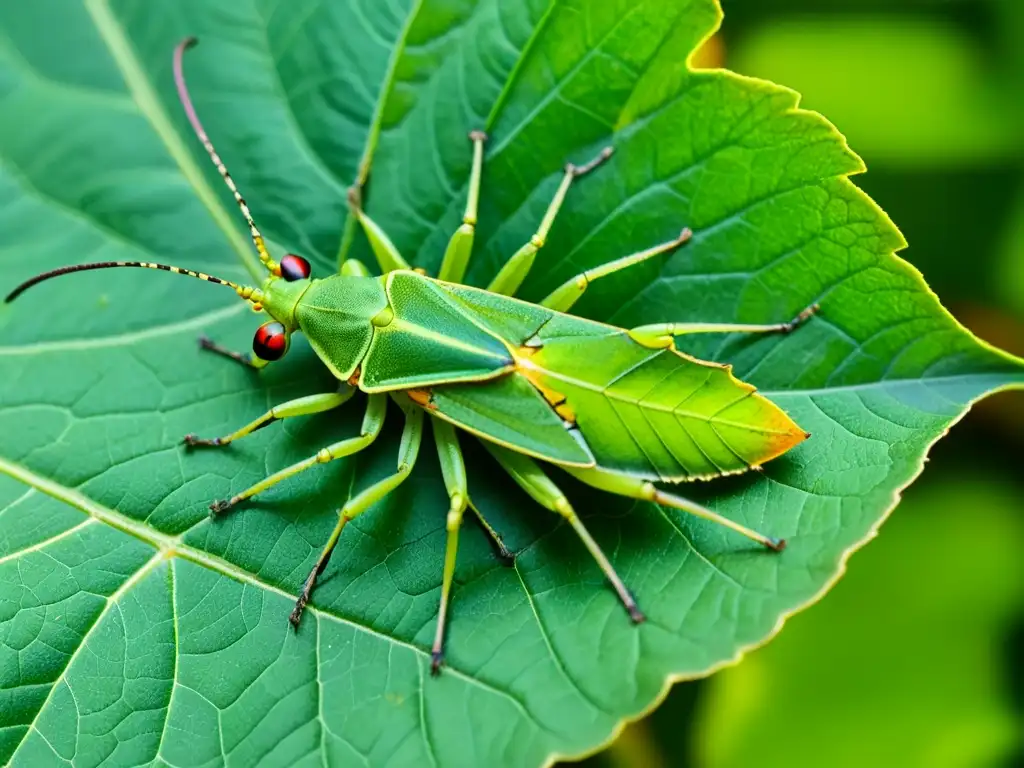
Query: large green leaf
<point x="135" y="629"/>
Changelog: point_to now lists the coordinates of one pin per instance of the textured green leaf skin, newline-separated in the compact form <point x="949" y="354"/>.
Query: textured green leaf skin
<point x="658" y="414"/>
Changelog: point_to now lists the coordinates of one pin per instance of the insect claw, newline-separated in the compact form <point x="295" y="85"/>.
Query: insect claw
<point x="582" y="170"/>
<point x="219" y="506"/>
<point x="205" y="342"/>
<point x="191" y="441"/>
<point x="296" y="614"/>
<point x="477" y="136"/>
<point x="505" y="555"/>
<point x="777" y="545"/>
<point x="354" y="197"/>
<point x="636" y="614"/>
<point x="436" y="662"/>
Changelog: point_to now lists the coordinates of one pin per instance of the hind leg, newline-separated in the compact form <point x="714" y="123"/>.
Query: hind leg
<point x="531" y="478"/>
<point x="661" y="335"/>
<point x="646" y="491"/>
<point x="453" y="469"/>
<point x="568" y="293"/>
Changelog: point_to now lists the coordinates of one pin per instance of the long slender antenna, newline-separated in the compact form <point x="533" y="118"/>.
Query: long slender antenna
<point x="250" y="294"/>
<point x="190" y="111"/>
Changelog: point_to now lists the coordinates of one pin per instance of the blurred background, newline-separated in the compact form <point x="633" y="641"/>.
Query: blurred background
<point x="916" y="658"/>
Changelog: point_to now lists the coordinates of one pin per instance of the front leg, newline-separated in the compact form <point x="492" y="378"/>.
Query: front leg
<point x="247" y="359"/>
<point x="303" y="406"/>
<point x="372" y="423"/>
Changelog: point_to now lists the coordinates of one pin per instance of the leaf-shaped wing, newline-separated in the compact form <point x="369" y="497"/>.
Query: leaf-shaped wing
<point x="657" y="413"/>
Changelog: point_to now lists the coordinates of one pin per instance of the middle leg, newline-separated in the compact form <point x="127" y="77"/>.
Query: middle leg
<point x="453" y="470"/>
<point x="409" y="449"/>
<point x="531" y="478"/>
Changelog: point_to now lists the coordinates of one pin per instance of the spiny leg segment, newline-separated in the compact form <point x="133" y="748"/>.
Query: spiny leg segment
<point x="246" y="359"/>
<point x="501" y="551"/>
<point x="453" y="470"/>
<point x="412" y="434"/>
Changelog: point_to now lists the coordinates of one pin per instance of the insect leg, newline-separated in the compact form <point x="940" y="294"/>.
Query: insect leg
<point x="376" y="407"/>
<point x="660" y="335"/>
<point x="531" y="478"/>
<point x="387" y="254"/>
<point x="303" y="406"/>
<point x="456" y="257"/>
<point x="511" y="276"/>
<point x="568" y="293"/>
<point x="354" y="268"/>
<point x="412" y="434"/>
<point x="453" y="469"/>
<point x="247" y="359"/>
<point x="504" y="553"/>
<point x="636" y="488"/>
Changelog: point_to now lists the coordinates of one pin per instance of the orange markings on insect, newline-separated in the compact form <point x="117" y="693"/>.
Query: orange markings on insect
<point x="534" y="375"/>
<point x="353" y="380"/>
<point x="422" y="398"/>
<point x="787" y="435"/>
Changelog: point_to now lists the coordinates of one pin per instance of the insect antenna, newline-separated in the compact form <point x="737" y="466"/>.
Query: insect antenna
<point x="193" y="118"/>
<point x="250" y="294"/>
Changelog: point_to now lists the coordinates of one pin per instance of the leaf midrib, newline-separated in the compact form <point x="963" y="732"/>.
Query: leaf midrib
<point x="170" y="547"/>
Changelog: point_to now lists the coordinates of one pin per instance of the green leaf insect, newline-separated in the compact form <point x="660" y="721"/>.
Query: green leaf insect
<point x="619" y="409"/>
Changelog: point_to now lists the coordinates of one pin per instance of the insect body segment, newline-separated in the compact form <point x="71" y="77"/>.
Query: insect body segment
<point x="619" y="409"/>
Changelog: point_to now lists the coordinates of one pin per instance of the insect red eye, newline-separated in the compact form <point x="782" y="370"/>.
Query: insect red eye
<point x="294" y="267"/>
<point x="270" y="341"/>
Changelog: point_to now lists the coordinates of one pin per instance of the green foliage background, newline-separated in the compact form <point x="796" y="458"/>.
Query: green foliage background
<point x="917" y="656"/>
<point x="143" y="631"/>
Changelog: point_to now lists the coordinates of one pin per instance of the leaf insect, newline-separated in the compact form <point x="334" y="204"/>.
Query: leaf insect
<point x="620" y="410"/>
